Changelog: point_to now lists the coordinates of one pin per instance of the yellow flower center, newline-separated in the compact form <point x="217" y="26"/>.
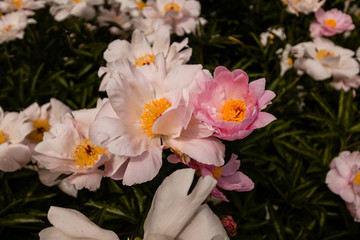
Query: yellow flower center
<point x="290" y="62"/>
<point x="6" y="28"/>
<point x="357" y="179"/>
<point x="86" y="154"/>
<point x="141" y="5"/>
<point x="41" y="126"/>
<point x="77" y="1"/>
<point x="151" y="112"/>
<point x="171" y="6"/>
<point x="3" y="137"/>
<point x="145" y="60"/>
<point x="17" y="3"/>
<point x="217" y="172"/>
<point x="330" y="22"/>
<point x="233" y="110"/>
<point x="320" y="54"/>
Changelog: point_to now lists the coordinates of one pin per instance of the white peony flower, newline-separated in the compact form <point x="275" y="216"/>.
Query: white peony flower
<point x="271" y="33"/>
<point x="12" y="26"/>
<point x="303" y="6"/>
<point x="62" y="9"/>
<point x="286" y="62"/>
<point x="26" y="6"/>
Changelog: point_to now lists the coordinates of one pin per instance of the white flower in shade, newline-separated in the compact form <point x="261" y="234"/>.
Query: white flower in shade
<point x="69" y="224"/>
<point x="12" y="26"/>
<point x="181" y="16"/>
<point x="113" y="16"/>
<point x="303" y="6"/>
<point x="27" y="6"/>
<point x="148" y="111"/>
<point x="140" y="52"/>
<point x="14" y="127"/>
<point x="286" y="61"/>
<point x="66" y="149"/>
<point x="346" y="83"/>
<point x="271" y="33"/>
<point x="177" y="214"/>
<point x="62" y="9"/>
<point x="321" y="59"/>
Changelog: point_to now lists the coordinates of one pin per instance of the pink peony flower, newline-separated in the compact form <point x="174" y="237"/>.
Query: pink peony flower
<point x="330" y="23"/>
<point x="344" y="179"/>
<point x="229" y="105"/>
<point x="227" y="176"/>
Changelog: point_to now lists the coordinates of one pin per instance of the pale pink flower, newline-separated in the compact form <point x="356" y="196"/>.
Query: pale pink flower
<point x="330" y="23"/>
<point x="176" y="214"/>
<point x="148" y="110"/>
<point x="66" y="149"/>
<point x="303" y="6"/>
<point x="227" y="177"/>
<point x="230" y="105"/>
<point x="12" y="26"/>
<point x="346" y="83"/>
<point x="26" y="6"/>
<point x="69" y="224"/>
<point x="140" y="52"/>
<point x="62" y="9"/>
<point x="115" y="17"/>
<point x="14" y="127"/>
<point x="180" y="16"/>
<point x="344" y="179"/>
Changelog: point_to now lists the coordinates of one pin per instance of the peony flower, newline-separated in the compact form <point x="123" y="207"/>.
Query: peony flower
<point x="12" y="26"/>
<point x="321" y="59"/>
<point x="330" y="23"/>
<point x="303" y="6"/>
<point x="62" y="9"/>
<point x="346" y="83"/>
<point x="149" y="110"/>
<point x="13" y="129"/>
<point x="286" y="61"/>
<point x="26" y="6"/>
<point x="344" y="179"/>
<point x="66" y="149"/>
<point x="115" y="17"/>
<point x="229" y="105"/>
<point x="271" y="33"/>
<point x="180" y="16"/>
<point x="227" y="176"/>
<point x="140" y="52"/>
<point x="177" y="214"/>
<point x="69" y="224"/>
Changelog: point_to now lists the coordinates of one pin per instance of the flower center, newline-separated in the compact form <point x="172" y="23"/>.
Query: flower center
<point x="290" y="62"/>
<point x="151" y="112"/>
<point x="3" y="137"/>
<point x="141" y="5"/>
<point x="41" y="126"/>
<point x="77" y="1"/>
<point x="320" y="54"/>
<point x="86" y="154"/>
<point x="145" y="60"/>
<point x="17" y="3"/>
<point x="171" y="6"/>
<point x="6" y="28"/>
<point x="217" y="172"/>
<point x="233" y="110"/>
<point x="357" y="179"/>
<point x="330" y="22"/>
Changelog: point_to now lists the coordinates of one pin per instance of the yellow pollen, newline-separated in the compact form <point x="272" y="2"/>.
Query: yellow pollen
<point x="145" y="60"/>
<point x="6" y="28"/>
<point x="40" y="126"/>
<point x="271" y="36"/>
<point x="77" y="1"/>
<point x="151" y="112"/>
<point x="86" y="154"/>
<point x="330" y="22"/>
<point x="171" y="6"/>
<point x="320" y="54"/>
<point x="3" y="137"/>
<point x="17" y="3"/>
<point x="357" y="179"/>
<point x="290" y="62"/>
<point x="141" y="5"/>
<point x="217" y="172"/>
<point x="233" y="110"/>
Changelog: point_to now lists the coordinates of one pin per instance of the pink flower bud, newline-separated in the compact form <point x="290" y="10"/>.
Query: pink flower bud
<point x="229" y="225"/>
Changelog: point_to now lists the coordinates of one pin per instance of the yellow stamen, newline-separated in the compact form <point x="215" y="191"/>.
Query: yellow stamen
<point x="330" y="22"/>
<point x="86" y="154"/>
<point x="357" y="179"/>
<point x="290" y="62"/>
<point x="171" y="6"/>
<point x="141" y="5"/>
<point x="6" y="28"/>
<point x="151" y="112"/>
<point x="271" y="36"/>
<point x="17" y="3"/>
<point x="77" y="1"/>
<point x="40" y="126"/>
<point x="145" y="60"/>
<point x="217" y="172"/>
<point x="320" y="54"/>
<point x="3" y="137"/>
<point x="233" y="110"/>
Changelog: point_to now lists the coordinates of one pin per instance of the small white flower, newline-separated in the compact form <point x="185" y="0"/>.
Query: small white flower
<point x="271" y="33"/>
<point x="12" y="26"/>
<point x="27" y="6"/>
<point x="286" y="62"/>
<point x="62" y="9"/>
<point x="303" y="6"/>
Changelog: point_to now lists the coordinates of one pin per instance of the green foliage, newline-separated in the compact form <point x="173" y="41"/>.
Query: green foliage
<point x="288" y="160"/>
